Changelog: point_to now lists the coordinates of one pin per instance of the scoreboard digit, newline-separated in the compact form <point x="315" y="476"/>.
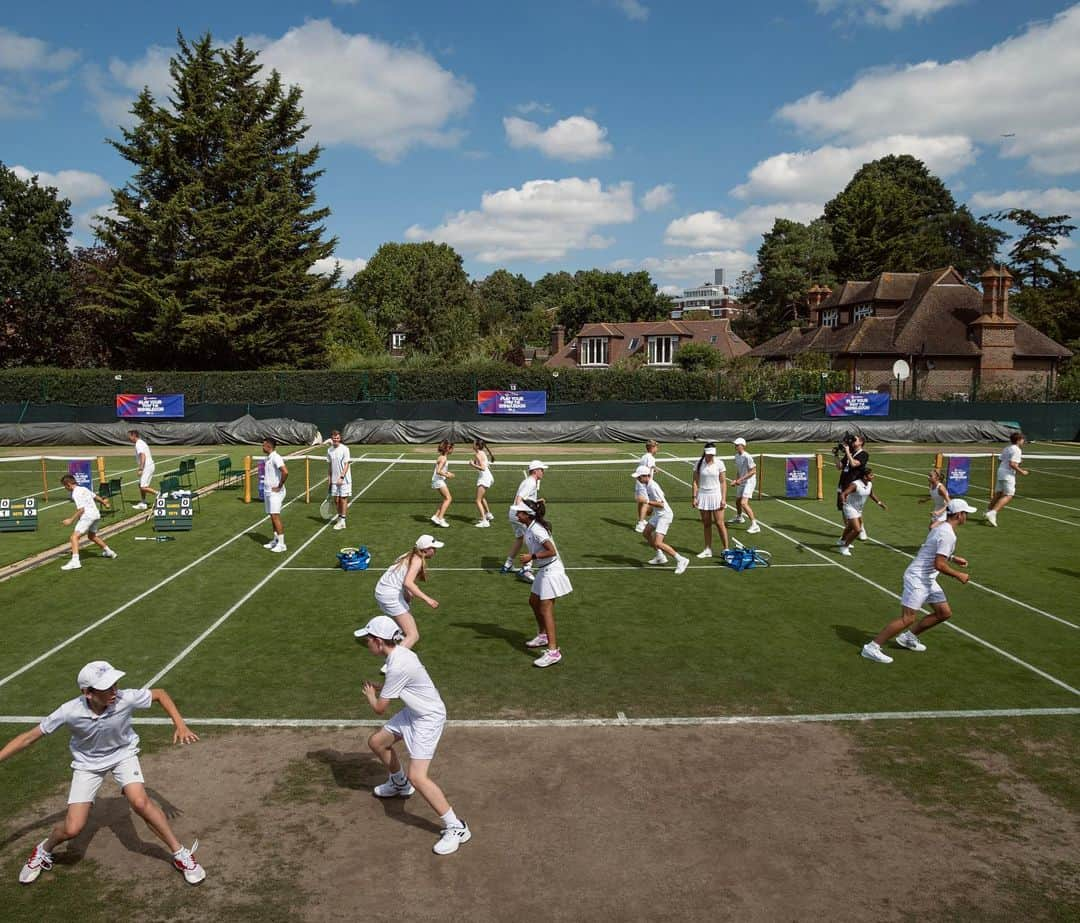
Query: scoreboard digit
<point x="18" y="515"/>
<point x="173" y="514"/>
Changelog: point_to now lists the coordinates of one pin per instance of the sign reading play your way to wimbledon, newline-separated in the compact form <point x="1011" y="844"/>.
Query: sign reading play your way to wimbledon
<point x="511" y="402"/>
<point x="149" y="406"/>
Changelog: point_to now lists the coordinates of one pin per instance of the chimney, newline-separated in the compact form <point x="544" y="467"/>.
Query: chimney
<point x="1003" y="290"/>
<point x="990" y="282"/>
<point x="558" y="337"/>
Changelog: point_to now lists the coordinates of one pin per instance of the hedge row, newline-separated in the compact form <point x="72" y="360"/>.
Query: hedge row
<point x="99" y="386"/>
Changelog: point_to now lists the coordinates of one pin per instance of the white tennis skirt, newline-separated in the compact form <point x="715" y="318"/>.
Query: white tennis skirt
<point x="551" y="581"/>
<point x="709" y="500"/>
<point x="485" y="478"/>
<point x="392" y="602"/>
<point x="851" y="512"/>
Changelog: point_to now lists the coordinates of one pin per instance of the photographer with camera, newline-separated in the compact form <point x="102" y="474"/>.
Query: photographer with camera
<point x="851" y="460"/>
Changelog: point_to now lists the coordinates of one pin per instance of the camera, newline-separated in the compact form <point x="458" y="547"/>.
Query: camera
<point x="848" y="439"/>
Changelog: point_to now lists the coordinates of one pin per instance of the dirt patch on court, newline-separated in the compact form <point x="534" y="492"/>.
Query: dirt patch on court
<point x="717" y="823"/>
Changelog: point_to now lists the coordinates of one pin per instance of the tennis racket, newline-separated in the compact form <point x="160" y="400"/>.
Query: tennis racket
<point x="761" y="558"/>
<point x="155" y="538"/>
<point x="327" y="509"/>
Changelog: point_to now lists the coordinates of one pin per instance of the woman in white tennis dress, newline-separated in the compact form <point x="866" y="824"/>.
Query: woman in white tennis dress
<point x="481" y="461"/>
<point x="938" y="498"/>
<point x="854" y="499"/>
<point x="551" y="581"/>
<point x="710" y="496"/>
<point x="398" y="586"/>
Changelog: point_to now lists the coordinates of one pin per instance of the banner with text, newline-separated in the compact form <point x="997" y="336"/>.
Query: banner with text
<point x="80" y="470"/>
<point x="956" y="481"/>
<point x="797" y="477"/>
<point x="870" y="404"/>
<point x="149" y="406"/>
<point x="511" y="402"/>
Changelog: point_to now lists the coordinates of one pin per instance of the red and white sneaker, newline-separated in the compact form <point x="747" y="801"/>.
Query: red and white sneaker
<point x="183" y="861"/>
<point x="39" y="861"/>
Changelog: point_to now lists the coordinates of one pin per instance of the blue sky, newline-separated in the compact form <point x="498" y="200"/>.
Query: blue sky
<point x="569" y="134"/>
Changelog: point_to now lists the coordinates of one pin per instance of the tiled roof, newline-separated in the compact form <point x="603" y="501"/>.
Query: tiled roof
<point x="620" y="336"/>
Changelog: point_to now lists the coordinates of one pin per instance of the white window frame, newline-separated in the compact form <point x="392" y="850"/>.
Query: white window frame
<point x="863" y="310"/>
<point x="662" y="350"/>
<point x="830" y="318"/>
<point x="397" y="340"/>
<point x="593" y="351"/>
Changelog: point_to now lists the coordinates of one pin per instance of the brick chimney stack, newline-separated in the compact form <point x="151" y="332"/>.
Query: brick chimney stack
<point x="558" y="338"/>
<point x="991" y="280"/>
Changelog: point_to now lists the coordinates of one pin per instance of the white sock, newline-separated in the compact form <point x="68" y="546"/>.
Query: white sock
<point x="450" y="819"/>
<point x="74" y="557"/>
<point x="279" y="538"/>
<point x="509" y="562"/>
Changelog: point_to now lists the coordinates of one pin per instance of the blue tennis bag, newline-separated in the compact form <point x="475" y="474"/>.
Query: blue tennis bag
<point x="740" y="558"/>
<point x="354" y="558"/>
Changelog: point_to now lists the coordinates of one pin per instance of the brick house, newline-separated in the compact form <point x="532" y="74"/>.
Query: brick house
<point x="956" y="339"/>
<point x="599" y="346"/>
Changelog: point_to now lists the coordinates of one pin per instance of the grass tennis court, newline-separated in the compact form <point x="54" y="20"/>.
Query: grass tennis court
<point x="236" y="633"/>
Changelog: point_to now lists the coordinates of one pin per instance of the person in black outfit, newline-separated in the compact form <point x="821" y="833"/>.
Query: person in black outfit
<point x="851" y="465"/>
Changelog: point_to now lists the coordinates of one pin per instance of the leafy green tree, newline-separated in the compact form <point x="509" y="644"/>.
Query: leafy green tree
<point x="698" y="357"/>
<point x="217" y="230"/>
<point x="423" y="291"/>
<point x="502" y="299"/>
<point x="35" y="288"/>
<point x="1033" y="259"/>
<point x="612" y="297"/>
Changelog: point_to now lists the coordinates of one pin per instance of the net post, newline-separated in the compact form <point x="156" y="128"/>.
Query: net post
<point x="307" y="480"/>
<point x="939" y="460"/>
<point x="44" y="479"/>
<point x="820" y="476"/>
<point x="247" y="478"/>
<point x="761" y="473"/>
<point x="101" y="469"/>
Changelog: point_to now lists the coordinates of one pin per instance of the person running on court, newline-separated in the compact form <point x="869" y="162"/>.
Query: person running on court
<point x="420" y="724"/>
<point x="1008" y="469"/>
<point x="710" y="496"/>
<point x="85" y="518"/>
<point x="146" y="469"/>
<point x="481" y="461"/>
<point x="275" y="474"/>
<point x="398" y="586"/>
<point x="921" y="586"/>
<point x="439" y="478"/>
<point x="528" y="489"/>
<point x="340" y="476"/>
<point x="648" y="460"/>
<point x="744" y="484"/>
<point x="656" y="528"/>
<point x="103" y="742"/>
<point x="938" y="498"/>
<point x="551" y="580"/>
<point x="854" y="498"/>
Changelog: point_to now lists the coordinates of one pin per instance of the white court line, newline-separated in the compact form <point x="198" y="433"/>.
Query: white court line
<point x="157" y="586"/>
<point x="620" y="719"/>
<point x="255" y="589"/>
<point x="947" y="624"/>
<point x="701" y="568"/>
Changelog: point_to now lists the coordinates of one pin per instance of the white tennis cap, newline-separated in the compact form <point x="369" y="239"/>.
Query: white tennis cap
<point x="428" y="541"/>
<point x="739" y="441"/>
<point x="711" y="449"/>
<point x="382" y="626"/>
<point x="99" y="674"/>
<point x="534" y="464"/>
<point x="959" y="506"/>
<point x="642" y="470"/>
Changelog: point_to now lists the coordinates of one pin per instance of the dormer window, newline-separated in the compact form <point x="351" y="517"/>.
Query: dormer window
<point x="863" y="310"/>
<point x="830" y="318"/>
<point x="662" y="349"/>
<point x="593" y="351"/>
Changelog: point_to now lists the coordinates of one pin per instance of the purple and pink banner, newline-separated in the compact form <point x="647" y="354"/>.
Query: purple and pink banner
<point x="869" y="404"/>
<point x="80" y="470"/>
<point x="956" y="480"/>
<point x="797" y="477"/>
<point x="149" y="406"/>
<point x="511" y="402"/>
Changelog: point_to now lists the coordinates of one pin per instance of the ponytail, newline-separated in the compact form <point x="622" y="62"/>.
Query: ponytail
<point x="539" y="508"/>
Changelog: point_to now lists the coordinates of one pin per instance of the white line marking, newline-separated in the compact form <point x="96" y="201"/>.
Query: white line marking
<point x="701" y="568"/>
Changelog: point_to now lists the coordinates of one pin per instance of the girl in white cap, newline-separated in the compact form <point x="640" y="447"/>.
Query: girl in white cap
<point x="938" y="498"/>
<point x="659" y="523"/>
<point x="102" y="742"/>
<point x="481" y="460"/>
<point x="853" y="500"/>
<point x="648" y="460"/>
<point x="710" y="496"/>
<point x="528" y="489"/>
<point x="398" y="586"/>
<point x="551" y="581"/>
<point x="439" y="477"/>
<point x="744" y="484"/>
<point x="420" y="724"/>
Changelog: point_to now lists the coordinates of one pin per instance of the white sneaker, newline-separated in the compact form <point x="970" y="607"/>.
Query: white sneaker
<point x="73" y="564"/>
<point x="185" y="862"/>
<point x="451" y="839"/>
<point x="279" y="548"/>
<point x="484" y="524"/>
<point x="490" y="517"/>
<point x="443" y="524"/>
<point x="390" y="789"/>
<point x="681" y="564"/>
<point x="707" y="553"/>
<point x="548" y="659"/>
<point x="658" y="558"/>
<point x="991" y="517"/>
<point x="839" y="542"/>
<point x="39" y="861"/>
<point x="872" y="651"/>
<point x="339" y="525"/>
<point x="862" y="535"/>
<point x="845" y="550"/>
<point x="736" y="521"/>
<point x="640" y="527"/>
<point x="754" y="528"/>
<point x="435" y="520"/>
<point x="270" y="544"/>
<point x="526" y="574"/>
<point x="138" y="506"/>
<point x="108" y="553"/>
<point x="911" y="641"/>
<point x="541" y="640"/>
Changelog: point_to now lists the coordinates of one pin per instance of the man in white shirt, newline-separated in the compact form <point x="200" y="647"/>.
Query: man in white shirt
<point x="340" y="476"/>
<point x="420" y="724"/>
<point x="86" y="518"/>
<point x="146" y="469"/>
<point x="921" y="586"/>
<point x="103" y="742"/>
<point x="274" y="476"/>
<point x="745" y="484"/>
<point x="1008" y="468"/>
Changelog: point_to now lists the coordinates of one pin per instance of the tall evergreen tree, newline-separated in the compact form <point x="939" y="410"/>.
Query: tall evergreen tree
<point x="215" y="233"/>
<point x="1033" y="258"/>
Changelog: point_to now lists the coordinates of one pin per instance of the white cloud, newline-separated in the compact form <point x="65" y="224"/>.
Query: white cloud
<point x="533" y="106"/>
<point x="19" y="53"/>
<point x="574" y="138"/>
<point x="633" y="9"/>
<point x="115" y="90"/>
<point x="327" y="265"/>
<point x="1055" y="201"/>
<point x="77" y="185"/>
<point x="1019" y="94"/>
<point x="658" y="197"/>
<point x="891" y="14"/>
<point x="821" y="173"/>
<point x="716" y="231"/>
<point x="695" y="268"/>
<point x="541" y="220"/>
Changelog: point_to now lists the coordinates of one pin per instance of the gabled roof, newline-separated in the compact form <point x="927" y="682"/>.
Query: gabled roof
<point x="621" y="336"/>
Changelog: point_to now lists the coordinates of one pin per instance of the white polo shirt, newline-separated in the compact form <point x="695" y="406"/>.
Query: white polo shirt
<point x="941" y="540"/>
<point x="656" y="495"/>
<point x="406" y="679"/>
<point x="1011" y="453"/>
<point x="648" y="460"/>
<point x="744" y="464"/>
<point x="340" y="459"/>
<point x="83" y="498"/>
<point x="141" y="448"/>
<point x="99" y="742"/>
<point x="272" y="470"/>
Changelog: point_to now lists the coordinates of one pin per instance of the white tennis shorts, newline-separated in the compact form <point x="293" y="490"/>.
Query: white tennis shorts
<point x="420" y="733"/>
<point x="273" y="501"/>
<point x="392" y="604"/>
<point x="86" y="782"/>
<point x="87" y="523"/>
<point x="661" y="521"/>
<point x="146" y="476"/>
<point x="709" y="500"/>
<point x="485" y="478"/>
<point x="438" y="483"/>
<point x="1007" y="485"/>
<point x="747" y="488"/>
<point x="342" y="490"/>
<point x="551" y="581"/>
<point x="918" y="592"/>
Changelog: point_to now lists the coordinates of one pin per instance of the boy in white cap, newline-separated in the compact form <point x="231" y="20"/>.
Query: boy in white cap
<point x="420" y="724"/>
<point x="648" y="460"/>
<point x="744" y="484"/>
<point x="85" y="518"/>
<point x="657" y="527"/>
<point x="528" y="489"/>
<point x="921" y="586"/>
<point x="102" y="742"/>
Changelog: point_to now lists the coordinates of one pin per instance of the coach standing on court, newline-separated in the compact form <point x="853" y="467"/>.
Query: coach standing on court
<point x="274" y="476"/>
<point x="146" y="468"/>
<point x="851" y="465"/>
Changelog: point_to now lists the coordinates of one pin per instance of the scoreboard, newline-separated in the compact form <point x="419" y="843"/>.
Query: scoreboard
<point x="18" y="515"/>
<point x="173" y="514"/>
